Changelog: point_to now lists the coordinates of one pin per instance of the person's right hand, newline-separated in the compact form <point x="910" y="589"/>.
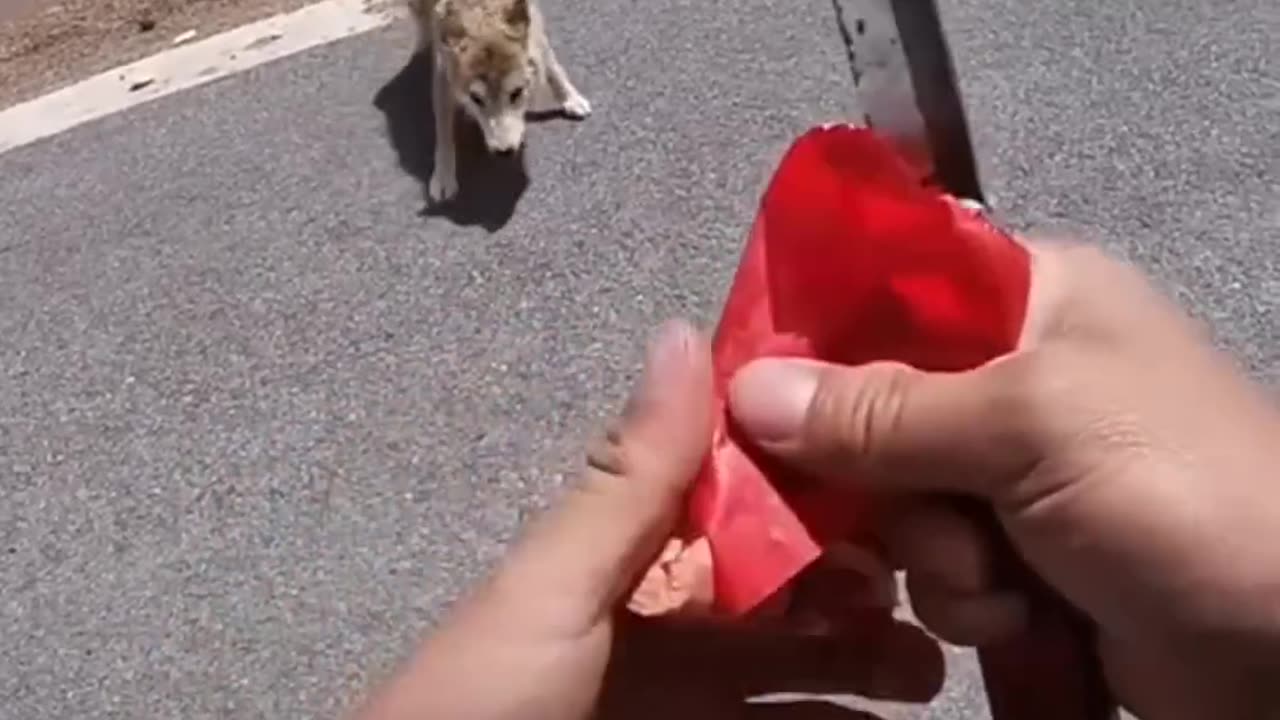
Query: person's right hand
<point x="1131" y="464"/>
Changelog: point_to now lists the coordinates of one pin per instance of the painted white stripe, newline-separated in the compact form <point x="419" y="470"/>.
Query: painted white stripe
<point x="187" y="66"/>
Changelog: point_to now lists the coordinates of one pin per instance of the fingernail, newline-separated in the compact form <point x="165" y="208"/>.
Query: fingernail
<point x="770" y="398"/>
<point x="668" y="353"/>
<point x="669" y="348"/>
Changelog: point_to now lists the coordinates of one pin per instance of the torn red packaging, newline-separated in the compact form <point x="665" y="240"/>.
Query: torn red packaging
<point x="853" y="257"/>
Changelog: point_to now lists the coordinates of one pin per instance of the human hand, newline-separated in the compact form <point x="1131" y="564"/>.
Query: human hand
<point x="1131" y="465"/>
<point x="536" y="640"/>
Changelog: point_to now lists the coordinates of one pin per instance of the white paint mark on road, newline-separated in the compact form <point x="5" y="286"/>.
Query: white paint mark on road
<point x="187" y="66"/>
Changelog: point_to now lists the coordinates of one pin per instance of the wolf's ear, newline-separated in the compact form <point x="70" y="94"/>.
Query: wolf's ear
<point x="517" y="15"/>
<point x="450" y="22"/>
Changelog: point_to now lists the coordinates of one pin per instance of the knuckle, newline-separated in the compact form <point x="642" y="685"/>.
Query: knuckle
<point x="855" y="411"/>
<point x="1036" y="390"/>
<point x="620" y="465"/>
<point x="608" y="453"/>
<point x="1079" y="257"/>
<point x="930" y="606"/>
<point x="1026" y="386"/>
<point x="1097" y="276"/>
<point x="1086" y="256"/>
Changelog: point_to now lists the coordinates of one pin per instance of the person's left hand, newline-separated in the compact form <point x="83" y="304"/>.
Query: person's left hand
<point x="535" y="641"/>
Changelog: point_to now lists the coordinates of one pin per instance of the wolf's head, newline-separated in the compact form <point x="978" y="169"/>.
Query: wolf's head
<point x="490" y="70"/>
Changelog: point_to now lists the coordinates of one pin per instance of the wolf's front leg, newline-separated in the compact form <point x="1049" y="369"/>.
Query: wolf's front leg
<point x="572" y="103"/>
<point x="444" y="177"/>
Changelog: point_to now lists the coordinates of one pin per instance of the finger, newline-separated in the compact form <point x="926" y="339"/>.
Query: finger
<point x="967" y="619"/>
<point x="889" y="425"/>
<point x="939" y="546"/>
<point x="597" y="539"/>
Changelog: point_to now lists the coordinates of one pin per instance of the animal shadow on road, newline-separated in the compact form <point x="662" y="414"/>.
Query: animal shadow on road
<point x="489" y="186"/>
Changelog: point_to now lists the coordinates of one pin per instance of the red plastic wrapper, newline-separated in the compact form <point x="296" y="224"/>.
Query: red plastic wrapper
<point x="853" y="257"/>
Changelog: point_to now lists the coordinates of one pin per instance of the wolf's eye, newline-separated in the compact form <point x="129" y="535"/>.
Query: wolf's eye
<point x="477" y="98"/>
<point x="517" y="94"/>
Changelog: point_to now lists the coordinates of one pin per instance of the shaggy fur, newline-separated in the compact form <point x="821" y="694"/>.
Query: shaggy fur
<point x="490" y="57"/>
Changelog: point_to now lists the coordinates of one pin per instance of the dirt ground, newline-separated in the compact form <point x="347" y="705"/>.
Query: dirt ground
<point x="47" y="44"/>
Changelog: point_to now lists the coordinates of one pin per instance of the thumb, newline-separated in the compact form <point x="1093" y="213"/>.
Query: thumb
<point x="598" y="539"/>
<point x="890" y="426"/>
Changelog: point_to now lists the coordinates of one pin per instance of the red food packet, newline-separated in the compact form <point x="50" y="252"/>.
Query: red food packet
<point x="854" y="257"/>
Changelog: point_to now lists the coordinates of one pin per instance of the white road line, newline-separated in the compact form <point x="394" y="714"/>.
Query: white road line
<point x="187" y="66"/>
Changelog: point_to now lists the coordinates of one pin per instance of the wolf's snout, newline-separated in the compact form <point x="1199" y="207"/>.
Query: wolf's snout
<point x="504" y="134"/>
<point x="504" y="145"/>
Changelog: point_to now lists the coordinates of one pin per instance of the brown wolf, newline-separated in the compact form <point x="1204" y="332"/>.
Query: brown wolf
<point x="489" y="58"/>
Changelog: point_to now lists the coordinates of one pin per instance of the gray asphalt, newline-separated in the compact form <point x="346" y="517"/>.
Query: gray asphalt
<point x="260" y="417"/>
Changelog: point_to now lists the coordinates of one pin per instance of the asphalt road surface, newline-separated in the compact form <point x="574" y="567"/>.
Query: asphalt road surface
<point x="260" y="417"/>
